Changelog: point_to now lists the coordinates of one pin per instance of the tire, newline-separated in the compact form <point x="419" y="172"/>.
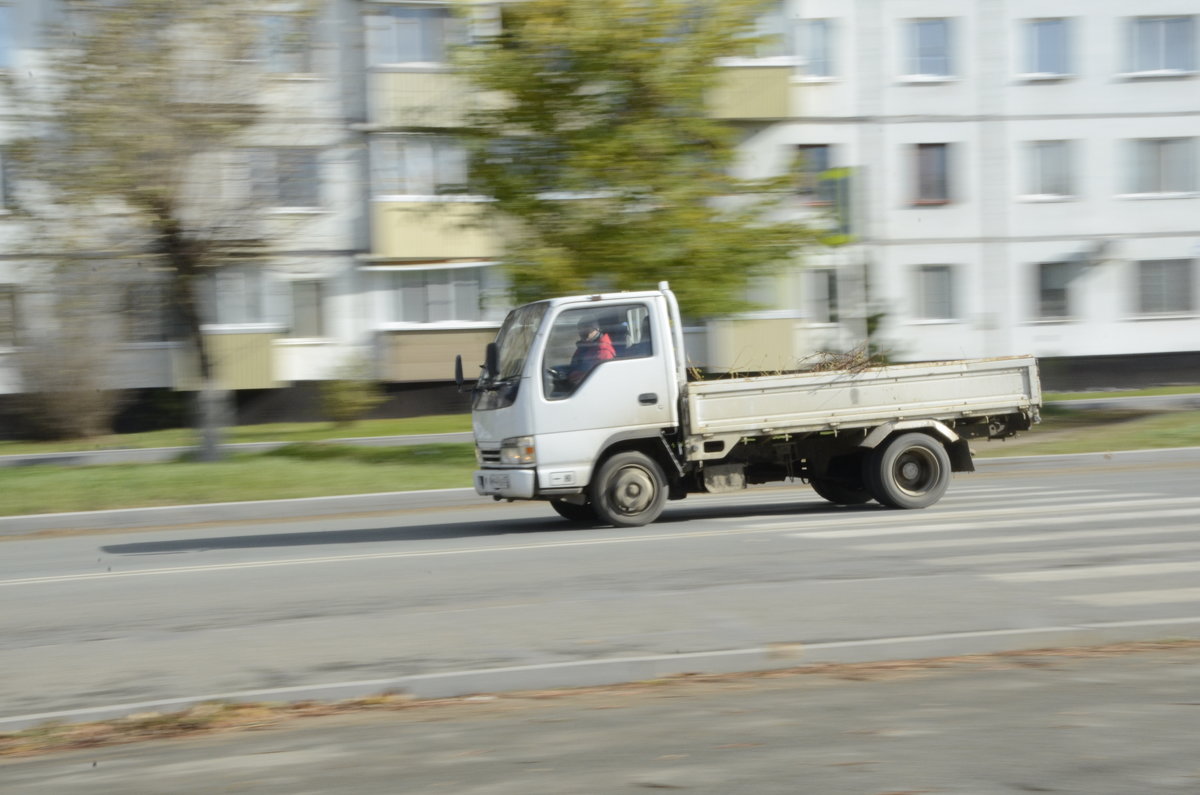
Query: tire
<point x="840" y="492"/>
<point x="583" y="514"/>
<point x="910" y="471"/>
<point x="628" y="490"/>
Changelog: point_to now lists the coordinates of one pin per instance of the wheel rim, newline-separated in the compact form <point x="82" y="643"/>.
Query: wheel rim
<point x="632" y="491"/>
<point x="916" y="471"/>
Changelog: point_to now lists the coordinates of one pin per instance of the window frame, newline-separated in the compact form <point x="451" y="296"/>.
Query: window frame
<point x="915" y="60"/>
<point x="6" y="37"/>
<point x="447" y="156"/>
<point x="1044" y="303"/>
<point x="486" y="293"/>
<point x="1040" y="159"/>
<point x="1185" y="292"/>
<point x="809" y="42"/>
<point x="451" y="30"/>
<point x="824" y="303"/>
<point x="1160" y="67"/>
<point x="267" y="179"/>
<point x="1167" y="168"/>
<point x="303" y="25"/>
<point x="10" y="315"/>
<point x="814" y="189"/>
<point x="318" y="309"/>
<point x="1034" y="65"/>
<point x="919" y="195"/>
<point x="925" y="303"/>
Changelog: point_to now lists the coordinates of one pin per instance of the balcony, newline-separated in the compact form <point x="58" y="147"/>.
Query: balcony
<point x="420" y="355"/>
<point x="752" y="92"/>
<point x="416" y="230"/>
<point x="241" y="360"/>
<point x="427" y="98"/>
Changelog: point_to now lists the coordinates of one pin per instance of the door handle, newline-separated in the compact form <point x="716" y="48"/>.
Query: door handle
<point x="647" y="398"/>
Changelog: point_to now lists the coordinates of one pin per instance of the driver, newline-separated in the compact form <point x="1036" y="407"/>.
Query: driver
<point x="592" y="348"/>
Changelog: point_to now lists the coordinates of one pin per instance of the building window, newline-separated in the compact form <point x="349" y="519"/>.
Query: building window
<point x="412" y="34"/>
<point x="932" y="174"/>
<point x="6" y="37"/>
<point x="234" y="296"/>
<point x="447" y="295"/>
<point x="773" y="28"/>
<point x="823" y="295"/>
<point x="929" y="48"/>
<point x="417" y="165"/>
<point x="1163" y="44"/>
<point x="1053" y="300"/>
<point x="286" y="177"/>
<point x="287" y="44"/>
<point x="814" y="186"/>
<point x="1164" y="165"/>
<point x="1047" y="43"/>
<point x="1165" y="287"/>
<point x="935" y="292"/>
<point x="6" y="186"/>
<point x="9" y="319"/>
<point x="1049" y="168"/>
<point x="816" y="41"/>
<point x="143" y="313"/>
<point x="308" y="309"/>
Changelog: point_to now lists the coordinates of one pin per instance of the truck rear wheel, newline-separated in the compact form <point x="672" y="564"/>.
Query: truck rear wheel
<point x="628" y="490"/>
<point x="574" y="512"/>
<point x="840" y="492"/>
<point x="910" y="471"/>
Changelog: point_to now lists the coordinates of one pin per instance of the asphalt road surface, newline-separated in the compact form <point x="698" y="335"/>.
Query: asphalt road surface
<point x="463" y="598"/>
<point x="1119" y="725"/>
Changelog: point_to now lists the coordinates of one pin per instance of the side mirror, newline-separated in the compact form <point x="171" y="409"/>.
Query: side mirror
<point x="491" y="360"/>
<point x="458" y="373"/>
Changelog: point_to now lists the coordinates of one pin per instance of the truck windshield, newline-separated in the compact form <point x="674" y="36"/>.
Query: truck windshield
<point x="516" y="338"/>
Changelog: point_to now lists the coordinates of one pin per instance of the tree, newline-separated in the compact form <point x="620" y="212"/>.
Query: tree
<point x="132" y="123"/>
<point x="594" y="143"/>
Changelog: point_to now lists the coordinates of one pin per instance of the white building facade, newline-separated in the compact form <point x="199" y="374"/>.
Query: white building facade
<point x="1027" y="175"/>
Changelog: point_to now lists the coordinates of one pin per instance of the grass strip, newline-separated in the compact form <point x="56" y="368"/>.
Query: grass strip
<point x="302" y="470"/>
<point x="272" y="432"/>
<point x="1066" y="431"/>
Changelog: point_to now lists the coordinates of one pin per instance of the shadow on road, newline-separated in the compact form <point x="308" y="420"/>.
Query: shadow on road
<point x="450" y="530"/>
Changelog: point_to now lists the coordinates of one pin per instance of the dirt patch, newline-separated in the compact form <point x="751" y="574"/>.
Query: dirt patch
<point x="211" y="718"/>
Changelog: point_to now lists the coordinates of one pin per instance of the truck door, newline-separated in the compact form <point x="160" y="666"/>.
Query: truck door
<point x="605" y="371"/>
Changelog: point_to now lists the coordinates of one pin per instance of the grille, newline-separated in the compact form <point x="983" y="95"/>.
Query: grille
<point x="489" y="456"/>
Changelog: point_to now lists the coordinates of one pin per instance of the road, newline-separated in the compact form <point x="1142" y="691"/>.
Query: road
<point x="437" y="601"/>
<point x="1102" y="725"/>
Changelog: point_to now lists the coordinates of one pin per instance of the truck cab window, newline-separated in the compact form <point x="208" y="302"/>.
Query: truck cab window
<point x="583" y="339"/>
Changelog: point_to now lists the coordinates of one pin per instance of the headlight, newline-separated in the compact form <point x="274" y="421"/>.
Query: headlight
<point x="518" y="450"/>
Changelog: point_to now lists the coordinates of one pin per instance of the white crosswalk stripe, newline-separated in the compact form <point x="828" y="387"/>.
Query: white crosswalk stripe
<point x="1157" y="528"/>
<point x="1095" y="572"/>
<point x="1164" y="596"/>
<point x="1060" y="554"/>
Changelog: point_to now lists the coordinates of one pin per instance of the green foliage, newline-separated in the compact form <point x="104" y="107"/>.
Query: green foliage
<point x="411" y="454"/>
<point x="350" y="397"/>
<point x="605" y="101"/>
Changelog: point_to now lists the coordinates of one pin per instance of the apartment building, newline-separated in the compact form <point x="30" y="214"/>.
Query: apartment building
<point x="1026" y="175"/>
<point x="1016" y="178"/>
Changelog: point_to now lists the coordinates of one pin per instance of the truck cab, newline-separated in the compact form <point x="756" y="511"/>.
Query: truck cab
<point x="543" y="414"/>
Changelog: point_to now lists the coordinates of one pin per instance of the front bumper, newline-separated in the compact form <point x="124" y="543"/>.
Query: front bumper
<point x="513" y="484"/>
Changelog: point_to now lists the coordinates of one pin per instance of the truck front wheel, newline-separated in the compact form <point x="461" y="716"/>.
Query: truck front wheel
<point x="585" y="513"/>
<point x="910" y="471"/>
<point x="628" y="490"/>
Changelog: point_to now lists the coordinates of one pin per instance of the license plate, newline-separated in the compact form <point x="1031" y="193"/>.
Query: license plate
<point x="497" y="481"/>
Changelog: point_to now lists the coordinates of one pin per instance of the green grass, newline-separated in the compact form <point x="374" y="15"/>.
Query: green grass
<point x="297" y="471"/>
<point x="1064" y="431"/>
<point x="1150" y="392"/>
<point x="273" y="432"/>
<point x="314" y="470"/>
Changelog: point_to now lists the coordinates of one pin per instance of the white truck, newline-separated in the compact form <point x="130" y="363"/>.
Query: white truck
<point x="610" y="437"/>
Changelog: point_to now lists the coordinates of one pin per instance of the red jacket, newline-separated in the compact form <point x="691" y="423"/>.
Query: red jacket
<point x="588" y="354"/>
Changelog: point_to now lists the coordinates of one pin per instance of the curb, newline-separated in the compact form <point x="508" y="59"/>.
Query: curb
<point x="596" y="673"/>
<point x="315" y="507"/>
